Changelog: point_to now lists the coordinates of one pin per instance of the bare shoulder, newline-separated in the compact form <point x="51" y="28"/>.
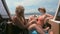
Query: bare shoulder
<point x="14" y="17"/>
<point x="48" y="14"/>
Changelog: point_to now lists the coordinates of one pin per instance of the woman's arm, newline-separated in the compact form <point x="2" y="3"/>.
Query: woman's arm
<point x="18" y="22"/>
<point x="31" y="22"/>
<point x="49" y="16"/>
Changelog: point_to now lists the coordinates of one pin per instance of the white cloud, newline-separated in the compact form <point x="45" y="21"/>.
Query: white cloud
<point x="28" y="2"/>
<point x="30" y="11"/>
<point x="10" y="3"/>
<point x="25" y="2"/>
<point x="31" y="2"/>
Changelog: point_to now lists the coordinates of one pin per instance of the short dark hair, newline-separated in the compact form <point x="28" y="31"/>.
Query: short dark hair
<point x="42" y="9"/>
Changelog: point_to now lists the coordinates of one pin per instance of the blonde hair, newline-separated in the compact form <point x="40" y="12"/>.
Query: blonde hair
<point x="20" y="9"/>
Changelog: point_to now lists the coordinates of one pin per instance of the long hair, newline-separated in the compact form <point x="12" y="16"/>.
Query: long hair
<point x="20" y="10"/>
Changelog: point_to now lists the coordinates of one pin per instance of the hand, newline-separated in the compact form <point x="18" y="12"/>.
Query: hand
<point x="46" y="29"/>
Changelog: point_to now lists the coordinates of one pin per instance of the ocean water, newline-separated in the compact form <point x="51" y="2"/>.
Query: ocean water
<point x="27" y="15"/>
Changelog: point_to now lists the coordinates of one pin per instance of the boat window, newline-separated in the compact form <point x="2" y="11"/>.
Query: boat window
<point x="31" y="6"/>
<point x="58" y="14"/>
<point x="3" y="12"/>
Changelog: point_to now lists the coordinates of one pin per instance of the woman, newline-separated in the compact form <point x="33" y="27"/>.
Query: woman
<point x="41" y="21"/>
<point x="19" y="19"/>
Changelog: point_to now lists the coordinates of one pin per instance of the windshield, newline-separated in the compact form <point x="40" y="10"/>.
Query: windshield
<point x="31" y="6"/>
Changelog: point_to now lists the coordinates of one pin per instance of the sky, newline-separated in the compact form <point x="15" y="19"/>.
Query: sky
<point x="31" y="6"/>
<point x="3" y="12"/>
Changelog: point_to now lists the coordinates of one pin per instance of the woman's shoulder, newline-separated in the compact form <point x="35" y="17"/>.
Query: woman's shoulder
<point x="14" y="17"/>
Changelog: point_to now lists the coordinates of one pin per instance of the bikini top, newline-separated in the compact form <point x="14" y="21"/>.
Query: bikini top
<point x="41" y="18"/>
